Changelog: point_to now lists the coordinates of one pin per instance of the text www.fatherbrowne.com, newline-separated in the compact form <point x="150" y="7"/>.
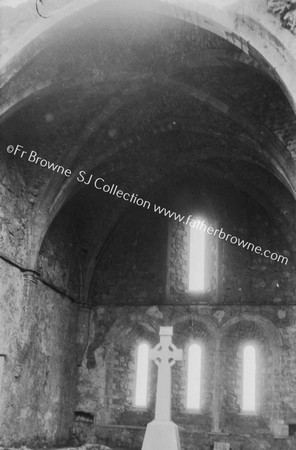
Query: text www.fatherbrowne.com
<point x="199" y="224"/>
<point x="99" y="184"/>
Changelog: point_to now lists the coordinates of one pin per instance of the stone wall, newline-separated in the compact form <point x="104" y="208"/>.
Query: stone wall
<point x="250" y="299"/>
<point x="106" y="391"/>
<point x="37" y="322"/>
<point x="15" y="209"/>
<point x="38" y="337"/>
<point x="149" y="99"/>
<point x="136" y="258"/>
<point x="59" y="262"/>
<point x="158" y="265"/>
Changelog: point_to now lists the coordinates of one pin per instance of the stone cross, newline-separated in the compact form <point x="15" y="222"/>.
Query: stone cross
<point x="162" y="433"/>
<point x="164" y="354"/>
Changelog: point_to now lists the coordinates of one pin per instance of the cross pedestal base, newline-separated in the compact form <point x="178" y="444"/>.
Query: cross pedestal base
<point x="161" y="435"/>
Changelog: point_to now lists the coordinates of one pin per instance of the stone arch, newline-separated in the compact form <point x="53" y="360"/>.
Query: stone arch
<point x="270" y="330"/>
<point x="251" y="39"/>
<point x="133" y="324"/>
<point x="264" y="334"/>
<point x="189" y="329"/>
<point x="59" y="259"/>
<point x="122" y="340"/>
<point x="207" y="323"/>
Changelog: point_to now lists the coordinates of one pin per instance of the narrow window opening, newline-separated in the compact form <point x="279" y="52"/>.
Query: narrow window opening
<point x="249" y="378"/>
<point x="193" y="380"/>
<point x="142" y="375"/>
<point x="197" y="257"/>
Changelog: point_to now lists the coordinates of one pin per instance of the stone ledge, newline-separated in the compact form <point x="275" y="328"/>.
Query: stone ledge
<point x="112" y="425"/>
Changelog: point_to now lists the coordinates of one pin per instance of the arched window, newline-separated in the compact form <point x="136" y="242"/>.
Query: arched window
<point x="142" y="375"/>
<point x="197" y="255"/>
<point x="193" y="377"/>
<point x="249" y="379"/>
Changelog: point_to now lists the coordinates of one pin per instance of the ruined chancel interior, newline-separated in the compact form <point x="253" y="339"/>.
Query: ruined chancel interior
<point x="147" y="186"/>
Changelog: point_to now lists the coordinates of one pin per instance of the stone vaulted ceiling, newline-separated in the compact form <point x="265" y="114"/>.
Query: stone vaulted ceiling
<point x="147" y="102"/>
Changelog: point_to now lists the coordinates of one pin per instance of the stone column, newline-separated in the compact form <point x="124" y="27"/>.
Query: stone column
<point x="30" y="281"/>
<point x="29" y="312"/>
<point x="83" y="320"/>
<point x="217" y="387"/>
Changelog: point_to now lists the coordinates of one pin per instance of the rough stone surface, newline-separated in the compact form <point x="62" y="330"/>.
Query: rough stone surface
<point x="286" y="11"/>
<point x="191" y="109"/>
<point x="39" y="379"/>
<point x="106" y="391"/>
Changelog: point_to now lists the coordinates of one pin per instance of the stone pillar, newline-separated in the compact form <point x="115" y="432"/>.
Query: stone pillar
<point x="83" y="320"/>
<point x="29" y="312"/>
<point x="217" y="387"/>
<point x="277" y="424"/>
<point x="30" y="281"/>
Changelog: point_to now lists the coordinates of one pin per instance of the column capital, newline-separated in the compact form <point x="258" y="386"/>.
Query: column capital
<point x="30" y="276"/>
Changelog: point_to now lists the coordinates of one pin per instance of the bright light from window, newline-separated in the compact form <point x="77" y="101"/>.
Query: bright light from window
<point x="193" y="380"/>
<point x="197" y="260"/>
<point x="142" y="375"/>
<point x="249" y="378"/>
